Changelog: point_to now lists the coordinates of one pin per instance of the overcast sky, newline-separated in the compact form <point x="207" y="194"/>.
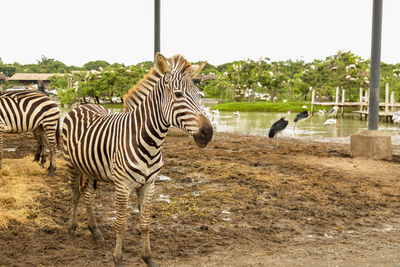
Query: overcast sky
<point x="218" y="31"/>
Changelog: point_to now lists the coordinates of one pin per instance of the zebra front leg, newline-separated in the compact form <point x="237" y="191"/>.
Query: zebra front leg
<point x="74" y="180"/>
<point x="122" y="194"/>
<point x="1" y="144"/>
<point x="88" y="198"/>
<point x="145" y="195"/>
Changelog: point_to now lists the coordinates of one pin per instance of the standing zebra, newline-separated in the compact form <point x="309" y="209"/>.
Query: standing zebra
<point x="31" y="111"/>
<point x="125" y="148"/>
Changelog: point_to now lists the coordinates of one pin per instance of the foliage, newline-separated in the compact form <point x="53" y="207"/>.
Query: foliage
<point x="249" y="80"/>
<point x="95" y="65"/>
<point x="294" y="80"/>
<point x="107" y="86"/>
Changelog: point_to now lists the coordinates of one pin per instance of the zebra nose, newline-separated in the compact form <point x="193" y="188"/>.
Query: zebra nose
<point x="205" y="133"/>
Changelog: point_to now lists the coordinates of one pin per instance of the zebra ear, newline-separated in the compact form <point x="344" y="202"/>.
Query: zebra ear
<point x="195" y="69"/>
<point x="161" y="64"/>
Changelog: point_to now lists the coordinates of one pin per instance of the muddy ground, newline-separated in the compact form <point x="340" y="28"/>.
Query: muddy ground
<point x="242" y="201"/>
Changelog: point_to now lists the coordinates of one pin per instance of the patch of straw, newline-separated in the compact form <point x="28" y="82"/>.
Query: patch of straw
<point x="21" y="184"/>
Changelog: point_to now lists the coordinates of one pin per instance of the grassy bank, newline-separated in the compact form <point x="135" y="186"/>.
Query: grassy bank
<point x="113" y="105"/>
<point x="266" y="106"/>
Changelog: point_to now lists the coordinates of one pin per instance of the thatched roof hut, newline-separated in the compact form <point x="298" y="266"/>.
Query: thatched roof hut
<point x="33" y="76"/>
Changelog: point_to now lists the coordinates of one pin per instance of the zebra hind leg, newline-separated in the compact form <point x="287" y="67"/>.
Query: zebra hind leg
<point x="50" y="141"/>
<point x="74" y="180"/>
<point x="40" y="152"/>
<point x="145" y="196"/>
<point x="88" y="198"/>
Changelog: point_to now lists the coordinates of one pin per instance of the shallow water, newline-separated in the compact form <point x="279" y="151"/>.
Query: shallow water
<point x="313" y="128"/>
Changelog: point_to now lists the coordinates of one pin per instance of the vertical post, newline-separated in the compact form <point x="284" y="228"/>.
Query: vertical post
<point x="312" y="100"/>
<point x="337" y="95"/>
<point x="392" y="101"/>
<point x="373" y="116"/>
<point x="387" y="98"/>
<point x="156" y="26"/>
<point x="343" y="94"/>
<point x="361" y="102"/>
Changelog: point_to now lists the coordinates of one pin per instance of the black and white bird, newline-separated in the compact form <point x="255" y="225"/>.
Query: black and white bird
<point x="302" y="116"/>
<point x="333" y="111"/>
<point x="279" y="125"/>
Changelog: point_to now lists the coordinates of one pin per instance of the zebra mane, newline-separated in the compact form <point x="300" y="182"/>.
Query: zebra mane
<point x="141" y="90"/>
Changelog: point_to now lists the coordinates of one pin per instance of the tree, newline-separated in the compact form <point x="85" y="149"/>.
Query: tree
<point x="95" y="65"/>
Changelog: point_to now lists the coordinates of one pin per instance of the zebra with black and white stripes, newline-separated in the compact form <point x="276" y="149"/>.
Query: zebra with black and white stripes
<point x="125" y="148"/>
<point x="31" y="111"/>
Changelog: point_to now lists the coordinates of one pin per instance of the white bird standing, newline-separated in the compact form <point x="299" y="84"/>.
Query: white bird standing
<point x="330" y="122"/>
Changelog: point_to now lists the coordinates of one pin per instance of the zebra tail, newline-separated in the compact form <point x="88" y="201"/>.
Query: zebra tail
<point x="58" y="134"/>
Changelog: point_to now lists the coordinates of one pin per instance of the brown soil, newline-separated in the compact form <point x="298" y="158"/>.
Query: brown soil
<point x="242" y="201"/>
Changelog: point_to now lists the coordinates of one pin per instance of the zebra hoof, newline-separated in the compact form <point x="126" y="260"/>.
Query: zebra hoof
<point x="51" y="171"/>
<point x="118" y="263"/>
<point x="71" y="229"/>
<point x="150" y="263"/>
<point x="42" y="163"/>
<point x="97" y="235"/>
<point x="36" y="159"/>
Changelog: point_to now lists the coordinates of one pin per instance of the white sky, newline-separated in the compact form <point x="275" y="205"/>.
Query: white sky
<point x="219" y="31"/>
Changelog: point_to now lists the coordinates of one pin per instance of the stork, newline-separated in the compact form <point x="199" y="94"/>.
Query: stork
<point x="302" y="116"/>
<point x="333" y="111"/>
<point x="279" y="125"/>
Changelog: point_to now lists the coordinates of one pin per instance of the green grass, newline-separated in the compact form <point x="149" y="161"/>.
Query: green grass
<point x="266" y="106"/>
<point x="114" y="105"/>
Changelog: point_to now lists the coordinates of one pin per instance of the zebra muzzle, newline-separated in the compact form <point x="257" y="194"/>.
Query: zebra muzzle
<point x="205" y="133"/>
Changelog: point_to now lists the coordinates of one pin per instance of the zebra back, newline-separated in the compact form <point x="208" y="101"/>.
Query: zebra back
<point x="23" y="111"/>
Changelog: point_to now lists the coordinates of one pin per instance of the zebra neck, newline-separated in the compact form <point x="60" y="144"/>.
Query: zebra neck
<point x="149" y="119"/>
<point x="136" y="96"/>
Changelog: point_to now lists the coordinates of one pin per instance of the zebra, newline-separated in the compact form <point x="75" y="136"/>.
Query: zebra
<point x="31" y="111"/>
<point x="125" y="148"/>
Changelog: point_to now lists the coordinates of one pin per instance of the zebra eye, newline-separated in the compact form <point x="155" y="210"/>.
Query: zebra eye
<point x="178" y="94"/>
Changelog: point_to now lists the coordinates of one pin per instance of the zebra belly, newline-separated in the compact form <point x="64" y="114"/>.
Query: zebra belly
<point x="117" y="167"/>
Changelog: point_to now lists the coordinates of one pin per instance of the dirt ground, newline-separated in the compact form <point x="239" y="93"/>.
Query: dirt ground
<point x="241" y="201"/>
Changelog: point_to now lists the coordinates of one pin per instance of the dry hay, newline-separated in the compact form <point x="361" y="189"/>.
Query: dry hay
<point x="22" y="185"/>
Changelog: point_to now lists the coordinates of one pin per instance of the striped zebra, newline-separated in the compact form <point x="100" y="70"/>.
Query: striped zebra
<point x="125" y="148"/>
<point x="31" y="111"/>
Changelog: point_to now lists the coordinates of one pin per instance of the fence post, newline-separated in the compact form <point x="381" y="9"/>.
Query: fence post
<point x="387" y="98"/>
<point x="392" y="100"/>
<point x="337" y="95"/>
<point x="312" y="100"/>
<point x="343" y="94"/>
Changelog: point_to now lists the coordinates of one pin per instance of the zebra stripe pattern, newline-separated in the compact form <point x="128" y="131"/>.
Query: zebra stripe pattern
<point x="31" y="111"/>
<point x="125" y="148"/>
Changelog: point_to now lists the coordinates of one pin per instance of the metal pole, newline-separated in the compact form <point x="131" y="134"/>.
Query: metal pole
<point x="156" y="26"/>
<point x="373" y="116"/>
